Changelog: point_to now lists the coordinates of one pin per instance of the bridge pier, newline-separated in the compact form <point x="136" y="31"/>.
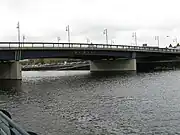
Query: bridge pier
<point x="113" y="65"/>
<point x="10" y="75"/>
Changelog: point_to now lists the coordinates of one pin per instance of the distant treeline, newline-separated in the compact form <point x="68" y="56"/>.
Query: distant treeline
<point x="47" y="61"/>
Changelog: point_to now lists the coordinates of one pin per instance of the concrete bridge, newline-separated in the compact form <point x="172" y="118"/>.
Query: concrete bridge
<point x="102" y="57"/>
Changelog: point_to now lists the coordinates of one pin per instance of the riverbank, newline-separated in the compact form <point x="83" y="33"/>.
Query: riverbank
<point x="75" y="66"/>
<point x="86" y="66"/>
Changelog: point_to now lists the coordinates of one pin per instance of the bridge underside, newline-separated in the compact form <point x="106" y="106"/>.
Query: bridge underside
<point x="7" y="55"/>
<point x="76" y="54"/>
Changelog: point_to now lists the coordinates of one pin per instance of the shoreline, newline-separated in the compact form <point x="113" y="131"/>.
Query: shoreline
<point x="57" y="68"/>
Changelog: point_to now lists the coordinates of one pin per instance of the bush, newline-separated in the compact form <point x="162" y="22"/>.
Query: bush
<point x="170" y="45"/>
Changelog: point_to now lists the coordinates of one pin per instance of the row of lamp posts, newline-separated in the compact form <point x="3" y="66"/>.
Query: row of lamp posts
<point x="105" y="32"/>
<point x="157" y="38"/>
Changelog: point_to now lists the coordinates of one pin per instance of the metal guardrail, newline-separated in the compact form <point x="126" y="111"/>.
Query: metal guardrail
<point x="39" y="45"/>
<point x="7" y="125"/>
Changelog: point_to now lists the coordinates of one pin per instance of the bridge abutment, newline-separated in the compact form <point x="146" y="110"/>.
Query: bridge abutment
<point x="113" y="65"/>
<point x="10" y="75"/>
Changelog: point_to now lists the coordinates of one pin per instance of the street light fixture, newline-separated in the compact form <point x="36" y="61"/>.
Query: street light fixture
<point x="58" y="39"/>
<point x="68" y="33"/>
<point x="157" y="38"/>
<point x="168" y="37"/>
<point x="105" y="32"/>
<point x="23" y="39"/>
<point x="19" y="38"/>
<point x="112" y="42"/>
<point x="175" y="40"/>
<point x="135" y="37"/>
<point x="88" y="41"/>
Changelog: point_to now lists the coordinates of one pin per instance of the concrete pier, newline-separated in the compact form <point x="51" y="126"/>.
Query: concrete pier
<point x="113" y="65"/>
<point x="10" y="75"/>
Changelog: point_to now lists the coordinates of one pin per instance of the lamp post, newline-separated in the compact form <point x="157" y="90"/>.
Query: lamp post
<point x="175" y="40"/>
<point x="105" y="32"/>
<point x="135" y="37"/>
<point x="157" y="38"/>
<point x="58" y="39"/>
<point x="23" y="39"/>
<point x="19" y="38"/>
<point x="112" y="42"/>
<point x="168" y="37"/>
<point x="88" y="41"/>
<point x="68" y="33"/>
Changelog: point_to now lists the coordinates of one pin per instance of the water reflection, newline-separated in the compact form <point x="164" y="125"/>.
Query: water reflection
<point x="10" y="86"/>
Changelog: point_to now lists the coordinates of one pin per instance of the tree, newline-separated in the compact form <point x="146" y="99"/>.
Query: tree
<point x="170" y="45"/>
<point x="31" y="61"/>
<point x="178" y="44"/>
<point x="41" y="61"/>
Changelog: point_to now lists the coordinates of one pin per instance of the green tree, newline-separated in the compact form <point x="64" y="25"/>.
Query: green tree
<point x="41" y="61"/>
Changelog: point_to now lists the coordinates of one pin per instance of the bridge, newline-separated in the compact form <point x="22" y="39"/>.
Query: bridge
<point x="102" y="57"/>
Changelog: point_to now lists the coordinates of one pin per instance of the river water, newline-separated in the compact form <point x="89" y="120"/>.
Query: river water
<point x="81" y="103"/>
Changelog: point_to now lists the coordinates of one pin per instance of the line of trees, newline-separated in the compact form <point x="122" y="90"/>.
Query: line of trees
<point x="47" y="61"/>
<point x="174" y="46"/>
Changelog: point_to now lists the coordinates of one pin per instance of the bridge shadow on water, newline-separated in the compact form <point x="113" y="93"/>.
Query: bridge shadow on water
<point x="10" y="87"/>
<point x="112" y="74"/>
<point x="14" y="87"/>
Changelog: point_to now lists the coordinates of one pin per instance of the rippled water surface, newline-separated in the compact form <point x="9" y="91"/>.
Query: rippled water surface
<point x="81" y="103"/>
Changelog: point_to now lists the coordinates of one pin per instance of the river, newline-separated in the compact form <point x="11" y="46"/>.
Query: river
<point x="81" y="103"/>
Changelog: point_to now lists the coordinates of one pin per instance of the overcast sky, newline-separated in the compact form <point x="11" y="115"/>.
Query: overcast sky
<point x="45" y="20"/>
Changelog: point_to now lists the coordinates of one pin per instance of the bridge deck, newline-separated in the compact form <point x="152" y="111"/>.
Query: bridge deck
<point x="33" y="50"/>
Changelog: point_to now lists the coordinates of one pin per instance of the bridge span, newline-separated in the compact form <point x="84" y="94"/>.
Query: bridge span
<point x="33" y="50"/>
<point x="102" y="57"/>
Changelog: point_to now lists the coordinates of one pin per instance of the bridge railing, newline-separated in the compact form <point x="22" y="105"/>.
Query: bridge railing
<point x="7" y="125"/>
<point x="30" y="45"/>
